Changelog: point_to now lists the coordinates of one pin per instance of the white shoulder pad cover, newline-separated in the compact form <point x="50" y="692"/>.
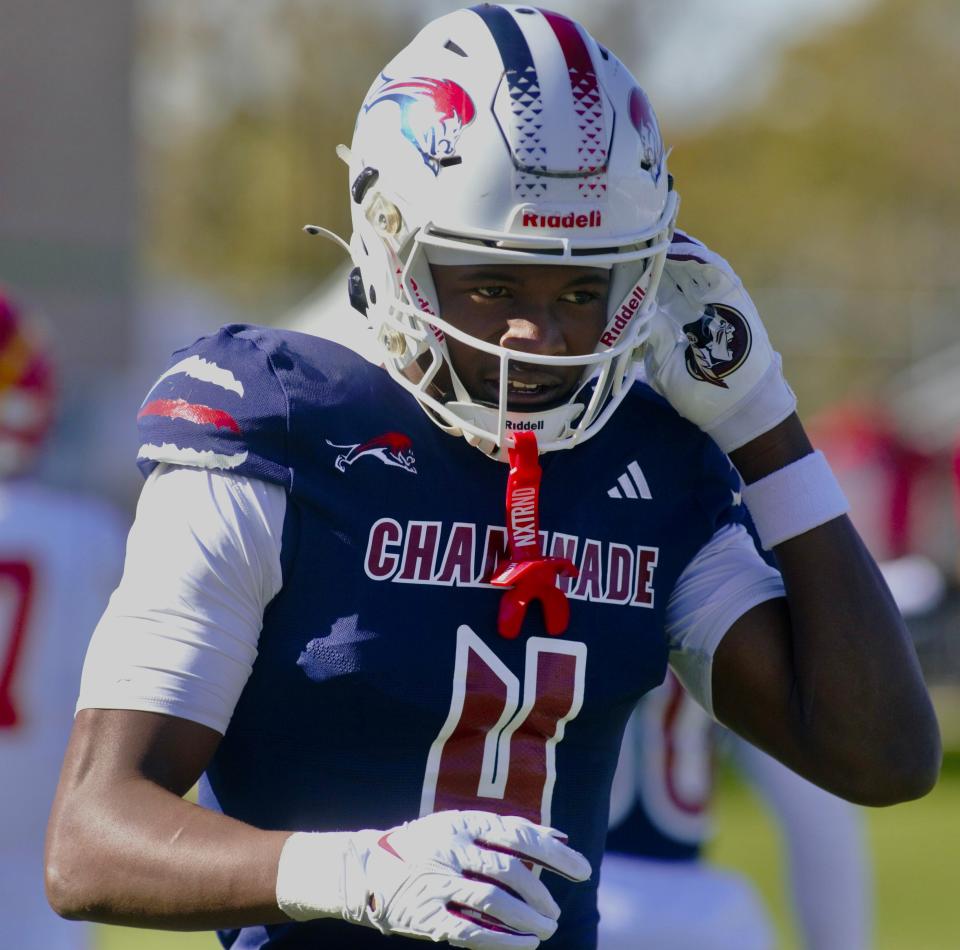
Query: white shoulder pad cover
<point x="180" y="633"/>
<point x="724" y="580"/>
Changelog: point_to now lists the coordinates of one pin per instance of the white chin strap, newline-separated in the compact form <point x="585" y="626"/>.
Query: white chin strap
<point x="548" y="425"/>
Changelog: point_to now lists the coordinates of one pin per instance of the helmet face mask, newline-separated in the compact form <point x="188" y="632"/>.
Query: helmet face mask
<point x="507" y="136"/>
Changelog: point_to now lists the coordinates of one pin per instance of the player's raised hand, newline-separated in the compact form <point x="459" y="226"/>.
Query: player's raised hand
<point x="459" y="876"/>
<point x="709" y="354"/>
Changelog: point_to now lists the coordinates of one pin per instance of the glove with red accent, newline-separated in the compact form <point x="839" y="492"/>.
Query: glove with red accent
<point x="459" y="876"/>
<point x="708" y="353"/>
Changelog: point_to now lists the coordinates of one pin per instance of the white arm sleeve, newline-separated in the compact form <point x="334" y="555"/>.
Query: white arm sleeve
<point x="180" y="633"/>
<point x="724" y="580"/>
<point x="829" y="871"/>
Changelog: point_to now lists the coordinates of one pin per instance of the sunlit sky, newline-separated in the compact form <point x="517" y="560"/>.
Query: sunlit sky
<point x="704" y="58"/>
<point x="698" y="59"/>
<point x="733" y="47"/>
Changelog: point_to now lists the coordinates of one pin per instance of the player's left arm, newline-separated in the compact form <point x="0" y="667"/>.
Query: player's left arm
<point x="825" y="679"/>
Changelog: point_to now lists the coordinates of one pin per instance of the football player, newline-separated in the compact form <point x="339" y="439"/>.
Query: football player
<point x="60" y="555"/>
<point x="397" y="617"/>
<point x="654" y="871"/>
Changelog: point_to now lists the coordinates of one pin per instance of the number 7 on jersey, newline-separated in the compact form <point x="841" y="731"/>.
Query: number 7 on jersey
<point x="16" y="588"/>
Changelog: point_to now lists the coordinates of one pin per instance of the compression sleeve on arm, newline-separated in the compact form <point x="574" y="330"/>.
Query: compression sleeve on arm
<point x="180" y="633"/>
<point x="724" y="580"/>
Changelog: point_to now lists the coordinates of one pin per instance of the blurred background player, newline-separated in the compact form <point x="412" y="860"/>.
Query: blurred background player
<point x="898" y="479"/>
<point x="657" y="890"/>
<point x="60" y="555"/>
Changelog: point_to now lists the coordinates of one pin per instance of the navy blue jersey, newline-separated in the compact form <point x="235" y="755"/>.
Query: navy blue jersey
<point x="381" y="674"/>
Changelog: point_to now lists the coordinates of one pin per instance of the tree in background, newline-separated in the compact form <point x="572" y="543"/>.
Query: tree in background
<point x="837" y="190"/>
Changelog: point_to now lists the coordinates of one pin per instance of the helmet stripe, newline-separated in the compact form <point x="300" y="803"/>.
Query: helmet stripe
<point x="512" y="44"/>
<point x="587" y="103"/>
<point x="524" y="87"/>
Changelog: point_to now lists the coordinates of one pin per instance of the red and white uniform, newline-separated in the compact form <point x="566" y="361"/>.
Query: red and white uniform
<point x="60" y="556"/>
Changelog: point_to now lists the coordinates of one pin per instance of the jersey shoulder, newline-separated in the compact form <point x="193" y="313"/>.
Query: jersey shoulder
<point x="645" y="410"/>
<point x="686" y="457"/>
<point x="227" y="402"/>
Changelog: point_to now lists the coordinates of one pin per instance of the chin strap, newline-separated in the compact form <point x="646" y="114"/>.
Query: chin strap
<point x="527" y="574"/>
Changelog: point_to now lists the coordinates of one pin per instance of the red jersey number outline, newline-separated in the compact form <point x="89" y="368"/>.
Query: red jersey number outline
<point x="489" y="754"/>
<point x="19" y="576"/>
<point x="673" y="751"/>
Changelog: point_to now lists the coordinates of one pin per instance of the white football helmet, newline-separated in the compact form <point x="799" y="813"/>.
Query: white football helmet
<point x="507" y="133"/>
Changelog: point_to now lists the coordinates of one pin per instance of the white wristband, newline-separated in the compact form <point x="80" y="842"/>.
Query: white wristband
<point x="318" y="874"/>
<point x="794" y="499"/>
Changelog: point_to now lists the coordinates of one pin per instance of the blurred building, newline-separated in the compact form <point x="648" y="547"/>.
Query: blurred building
<point x="67" y="184"/>
<point x="68" y="198"/>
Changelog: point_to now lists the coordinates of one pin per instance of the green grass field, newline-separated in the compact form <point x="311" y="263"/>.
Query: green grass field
<point x="916" y="864"/>
<point x="916" y="861"/>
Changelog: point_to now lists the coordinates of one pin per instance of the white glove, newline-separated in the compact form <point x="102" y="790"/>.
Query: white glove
<point x="460" y="876"/>
<point x="709" y="355"/>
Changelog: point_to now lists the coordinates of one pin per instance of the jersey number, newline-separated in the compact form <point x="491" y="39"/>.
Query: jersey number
<point x="16" y="588"/>
<point x="491" y="756"/>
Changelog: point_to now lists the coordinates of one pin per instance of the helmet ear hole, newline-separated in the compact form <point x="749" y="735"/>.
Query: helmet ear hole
<point x="362" y="183"/>
<point x="358" y="299"/>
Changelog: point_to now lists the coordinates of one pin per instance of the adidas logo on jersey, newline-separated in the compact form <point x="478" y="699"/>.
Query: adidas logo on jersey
<point x="631" y="484"/>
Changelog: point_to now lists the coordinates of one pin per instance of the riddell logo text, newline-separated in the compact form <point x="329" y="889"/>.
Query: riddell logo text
<point x="524" y="426"/>
<point x="424" y="305"/>
<point x="571" y="220"/>
<point x="624" y="315"/>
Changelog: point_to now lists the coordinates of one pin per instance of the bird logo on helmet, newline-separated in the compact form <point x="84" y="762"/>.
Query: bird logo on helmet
<point x="433" y="113"/>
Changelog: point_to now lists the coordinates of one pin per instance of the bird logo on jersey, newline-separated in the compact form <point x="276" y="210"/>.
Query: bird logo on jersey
<point x="391" y="448"/>
<point x="433" y="114"/>
<point x="719" y="343"/>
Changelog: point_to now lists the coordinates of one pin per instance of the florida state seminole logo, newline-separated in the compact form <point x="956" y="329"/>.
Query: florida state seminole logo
<point x="719" y="343"/>
<point x="391" y="448"/>
<point x="433" y="113"/>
